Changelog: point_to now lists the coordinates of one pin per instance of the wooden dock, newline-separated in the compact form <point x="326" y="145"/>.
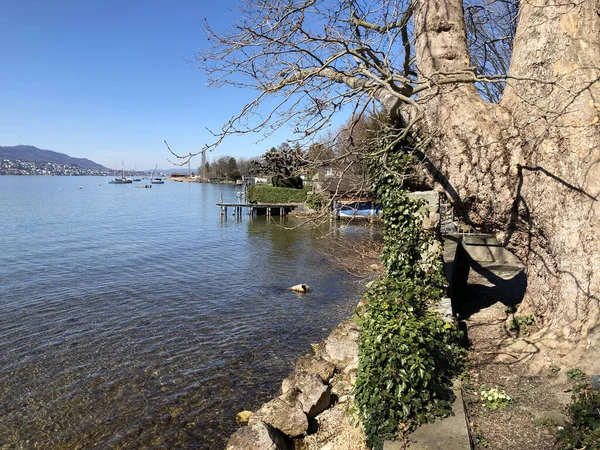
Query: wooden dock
<point x="258" y="208"/>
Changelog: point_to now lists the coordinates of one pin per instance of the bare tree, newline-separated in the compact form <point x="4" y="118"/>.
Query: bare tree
<point x="491" y="28"/>
<point x="525" y="165"/>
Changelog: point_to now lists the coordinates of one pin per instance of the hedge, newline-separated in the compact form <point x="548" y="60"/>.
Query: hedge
<point x="274" y="195"/>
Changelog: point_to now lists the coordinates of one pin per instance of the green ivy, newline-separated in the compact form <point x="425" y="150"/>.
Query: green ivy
<point x="583" y="430"/>
<point x="407" y="353"/>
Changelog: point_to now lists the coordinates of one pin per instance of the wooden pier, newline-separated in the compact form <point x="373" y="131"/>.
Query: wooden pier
<point x="257" y="208"/>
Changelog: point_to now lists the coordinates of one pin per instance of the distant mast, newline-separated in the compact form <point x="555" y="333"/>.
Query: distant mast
<point x="203" y="164"/>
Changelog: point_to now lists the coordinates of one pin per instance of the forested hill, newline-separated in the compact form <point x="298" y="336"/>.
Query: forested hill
<point x="33" y="154"/>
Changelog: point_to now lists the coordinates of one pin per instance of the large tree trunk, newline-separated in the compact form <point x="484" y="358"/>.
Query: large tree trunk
<point x="528" y="168"/>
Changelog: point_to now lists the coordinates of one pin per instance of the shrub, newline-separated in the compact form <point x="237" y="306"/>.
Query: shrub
<point x="583" y="431"/>
<point x="522" y="324"/>
<point x="575" y="374"/>
<point x="274" y="195"/>
<point x="479" y="439"/>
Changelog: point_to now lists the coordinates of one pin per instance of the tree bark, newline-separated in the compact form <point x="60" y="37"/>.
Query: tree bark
<point x="471" y="151"/>
<point x="558" y="46"/>
<point x="528" y="168"/>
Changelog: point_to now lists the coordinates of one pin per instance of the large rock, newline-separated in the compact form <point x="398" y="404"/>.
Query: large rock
<point x="317" y="365"/>
<point x="257" y="436"/>
<point x="341" y="346"/>
<point x="301" y="288"/>
<point x="309" y="392"/>
<point x="288" y="417"/>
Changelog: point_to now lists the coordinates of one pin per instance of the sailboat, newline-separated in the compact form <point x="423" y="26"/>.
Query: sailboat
<point x="135" y="173"/>
<point x="156" y="180"/>
<point x="122" y="179"/>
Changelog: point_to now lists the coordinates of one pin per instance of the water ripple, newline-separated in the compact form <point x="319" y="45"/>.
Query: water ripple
<point x="134" y="318"/>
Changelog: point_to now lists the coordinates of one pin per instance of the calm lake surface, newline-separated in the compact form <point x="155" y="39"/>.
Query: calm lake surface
<point x="139" y="318"/>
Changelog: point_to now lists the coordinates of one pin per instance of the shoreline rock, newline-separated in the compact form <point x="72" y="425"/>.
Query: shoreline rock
<point x="320" y="383"/>
<point x="256" y="436"/>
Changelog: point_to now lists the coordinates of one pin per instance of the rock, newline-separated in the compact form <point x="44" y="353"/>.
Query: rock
<point x="287" y="418"/>
<point x="243" y="416"/>
<point x="299" y="379"/>
<point x="431" y="222"/>
<point x="310" y="392"/>
<point x="341" y="388"/>
<point x="316" y="364"/>
<point x="510" y="325"/>
<point x="522" y="346"/>
<point x="257" y="436"/>
<point x="351" y="377"/>
<point x="595" y="381"/>
<point x="352" y="367"/>
<point x="343" y="399"/>
<point x="341" y="346"/>
<point x="315" y="401"/>
<point x="554" y="418"/>
<point x="301" y="288"/>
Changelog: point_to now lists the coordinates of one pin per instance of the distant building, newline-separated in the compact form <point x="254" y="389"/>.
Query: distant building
<point x="17" y="167"/>
<point x="253" y="181"/>
<point x="344" y="184"/>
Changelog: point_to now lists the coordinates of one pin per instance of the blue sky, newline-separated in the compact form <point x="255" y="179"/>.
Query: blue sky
<point x="108" y="80"/>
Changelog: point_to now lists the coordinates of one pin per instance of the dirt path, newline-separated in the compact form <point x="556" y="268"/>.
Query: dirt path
<point x="485" y="304"/>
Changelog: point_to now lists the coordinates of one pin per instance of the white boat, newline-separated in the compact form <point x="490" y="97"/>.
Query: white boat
<point x="122" y="179"/>
<point x="156" y="180"/>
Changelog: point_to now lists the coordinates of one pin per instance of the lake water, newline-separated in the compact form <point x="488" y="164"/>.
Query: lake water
<point x="139" y="318"/>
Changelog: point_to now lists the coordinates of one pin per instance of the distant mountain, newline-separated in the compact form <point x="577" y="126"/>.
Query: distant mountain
<point x="33" y="154"/>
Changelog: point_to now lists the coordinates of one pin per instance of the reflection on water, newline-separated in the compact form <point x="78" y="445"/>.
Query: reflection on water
<point x="137" y="318"/>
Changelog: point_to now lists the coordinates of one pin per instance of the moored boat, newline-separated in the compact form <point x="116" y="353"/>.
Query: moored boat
<point x="156" y="180"/>
<point x="122" y="179"/>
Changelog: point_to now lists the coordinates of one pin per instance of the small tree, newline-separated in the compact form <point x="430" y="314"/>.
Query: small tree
<point x="285" y="161"/>
<point x="285" y="164"/>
